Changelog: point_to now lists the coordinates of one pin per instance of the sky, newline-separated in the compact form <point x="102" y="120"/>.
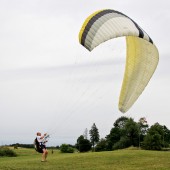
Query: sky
<point x="50" y="83"/>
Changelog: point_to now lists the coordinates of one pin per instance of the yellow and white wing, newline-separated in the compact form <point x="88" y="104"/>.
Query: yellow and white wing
<point x="142" y="55"/>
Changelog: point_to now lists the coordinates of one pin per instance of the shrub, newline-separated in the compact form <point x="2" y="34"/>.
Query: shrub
<point x="152" y="142"/>
<point x="124" y="142"/>
<point x="70" y="150"/>
<point x="4" y="151"/>
<point x="101" y="146"/>
<point x="64" y="148"/>
<point x="83" y="145"/>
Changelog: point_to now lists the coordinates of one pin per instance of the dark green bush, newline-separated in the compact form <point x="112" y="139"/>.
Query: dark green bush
<point x="124" y="142"/>
<point x="83" y="145"/>
<point x="4" y="151"/>
<point x="152" y="142"/>
<point x="70" y="150"/>
<point x="64" y="148"/>
<point x="101" y="146"/>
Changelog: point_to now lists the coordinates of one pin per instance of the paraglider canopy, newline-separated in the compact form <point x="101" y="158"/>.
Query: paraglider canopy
<point x="142" y="55"/>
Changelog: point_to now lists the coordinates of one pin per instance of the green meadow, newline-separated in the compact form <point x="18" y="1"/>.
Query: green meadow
<point x="127" y="159"/>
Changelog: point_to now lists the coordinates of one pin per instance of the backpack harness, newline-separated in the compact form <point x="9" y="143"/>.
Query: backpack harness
<point x="37" y="146"/>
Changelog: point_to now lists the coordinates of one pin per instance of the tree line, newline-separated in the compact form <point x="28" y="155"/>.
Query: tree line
<point x="125" y="133"/>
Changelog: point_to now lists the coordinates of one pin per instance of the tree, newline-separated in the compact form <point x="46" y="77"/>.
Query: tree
<point x="85" y="134"/>
<point x="101" y="145"/>
<point x="117" y="138"/>
<point x="94" y="135"/>
<point x="143" y="128"/>
<point x="124" y="134"/>
<point x="155" y="138"/>
<point x="152" y="142"/>
<point x="124" y="142"/>
<point x="113" y="137"/>
<point x="166" y="137"/>
<point x="132" y="131"/>
<point x="116" y="133"/>
<point x="120" y="122"/>
<point x="83" y="145"/>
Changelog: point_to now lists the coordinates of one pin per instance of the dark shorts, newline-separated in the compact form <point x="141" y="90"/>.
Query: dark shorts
<point x="43" y="146"/>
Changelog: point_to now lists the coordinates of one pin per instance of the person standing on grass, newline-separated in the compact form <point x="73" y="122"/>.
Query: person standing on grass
<point x="42" y="140"/>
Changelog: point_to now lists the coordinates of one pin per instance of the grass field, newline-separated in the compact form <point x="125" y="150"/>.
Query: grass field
<point x="28" y="159"/>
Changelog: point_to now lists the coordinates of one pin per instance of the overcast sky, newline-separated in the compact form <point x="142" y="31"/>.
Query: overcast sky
<point x="49" y="82"/>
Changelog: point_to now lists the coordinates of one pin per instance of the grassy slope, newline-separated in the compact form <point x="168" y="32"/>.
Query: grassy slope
<point x="116" y="160"/>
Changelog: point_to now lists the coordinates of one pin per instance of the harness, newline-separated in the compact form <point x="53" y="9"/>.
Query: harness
<point x="37" y="146"/>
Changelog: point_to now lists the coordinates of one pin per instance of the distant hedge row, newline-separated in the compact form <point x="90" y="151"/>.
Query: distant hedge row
<point x="22" y="145"/>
